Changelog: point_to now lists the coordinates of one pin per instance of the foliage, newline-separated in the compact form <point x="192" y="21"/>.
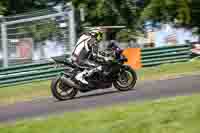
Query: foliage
<point x="181" y="12"/>
<point x="21" y="6"/>
<point x="2" y="7"/>
<point x="109" y="12"/>
<point x="131" y="13"/>
<point x="41" y="31"/>
<point x="167" y="11"/>
<point x="112" y="12"/>
<point x="195" y="14"/>
<point x="126" y="35"/>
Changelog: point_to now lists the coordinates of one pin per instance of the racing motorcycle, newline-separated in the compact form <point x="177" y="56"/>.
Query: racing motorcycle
<point x="114" y="73"/>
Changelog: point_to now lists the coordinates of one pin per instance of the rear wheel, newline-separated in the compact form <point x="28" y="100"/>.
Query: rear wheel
<point x="61" y="91"/>
<point x="126" y="80"/>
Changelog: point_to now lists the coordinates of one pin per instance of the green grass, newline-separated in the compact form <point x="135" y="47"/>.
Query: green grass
<point x="174" y="115"/>
<point x="168" y="70"/>
<point x="26" y="92"/>
<point x="19" y="93"/>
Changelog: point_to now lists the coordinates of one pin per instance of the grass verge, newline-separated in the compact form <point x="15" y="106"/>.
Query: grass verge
<point x="169" y="70"/>
<point x="19" y="93"/>
<point x="26" y="92"/>
<point x="174" y="115"/>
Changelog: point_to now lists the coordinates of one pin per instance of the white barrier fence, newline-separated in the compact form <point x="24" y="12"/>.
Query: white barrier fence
<point x="37" y="36"/>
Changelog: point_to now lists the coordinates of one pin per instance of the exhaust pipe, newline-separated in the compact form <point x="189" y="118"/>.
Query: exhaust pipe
<point x="69" y="82"/>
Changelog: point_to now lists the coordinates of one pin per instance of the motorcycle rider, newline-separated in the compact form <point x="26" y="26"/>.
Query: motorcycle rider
<point x="87" y="47"/>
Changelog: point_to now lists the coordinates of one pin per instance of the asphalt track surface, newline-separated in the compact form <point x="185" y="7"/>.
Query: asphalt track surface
<point x="144" y="90"/>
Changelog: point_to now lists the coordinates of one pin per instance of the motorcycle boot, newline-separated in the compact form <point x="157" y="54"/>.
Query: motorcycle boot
<point x="81" y="77"/>
<point x="89" y="73"/>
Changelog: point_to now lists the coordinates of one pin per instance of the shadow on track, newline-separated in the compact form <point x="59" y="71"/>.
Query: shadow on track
<point x="86" y="96"/>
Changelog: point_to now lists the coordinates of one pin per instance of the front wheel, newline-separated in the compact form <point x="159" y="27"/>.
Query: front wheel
<point x="61" y="91"/>
<point x="126" y="79"/>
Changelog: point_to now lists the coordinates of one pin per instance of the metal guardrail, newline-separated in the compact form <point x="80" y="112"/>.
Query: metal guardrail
<point x="21" y="74"/>
<point x="170" y="54"/>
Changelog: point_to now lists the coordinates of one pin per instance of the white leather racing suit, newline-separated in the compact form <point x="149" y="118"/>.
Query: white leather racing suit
<point x="80" y="56"/>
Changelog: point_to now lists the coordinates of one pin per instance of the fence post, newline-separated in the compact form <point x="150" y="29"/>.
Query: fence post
<point x="72" y="27"/>
<point x="4" y="44"/>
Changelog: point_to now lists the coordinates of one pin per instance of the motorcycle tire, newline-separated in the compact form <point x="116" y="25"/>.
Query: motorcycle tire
<point x="57" y="82"/>
<point x="130" y="85"/>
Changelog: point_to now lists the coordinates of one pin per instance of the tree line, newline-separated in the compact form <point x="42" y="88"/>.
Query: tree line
<point x="131" y="13"/>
